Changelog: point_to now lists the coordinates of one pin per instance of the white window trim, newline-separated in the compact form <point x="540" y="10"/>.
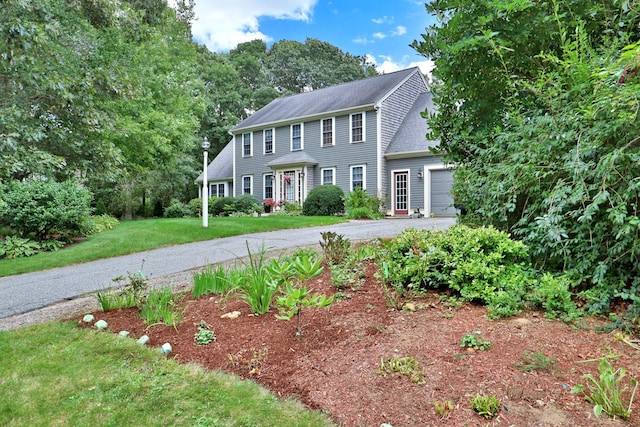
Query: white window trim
<point x="250" y="144"/>
<point x="393" y="189"/>
<point x="273" y="185"/>
<point x="364" y="176"/>
<point x="273" y="141"/>
<point x="364" y="127"/>
<point x="333" y="132"/>
<point x="333" y="175"/>
<point x="301" y="137"/>
<point x="427" y="184"/>
<point x="250" y="184"/>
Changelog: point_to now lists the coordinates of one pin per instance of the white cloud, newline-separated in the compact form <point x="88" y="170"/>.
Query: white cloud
<point x="363" y="41"/>
<point x="384" y="20"/>
<point x="379" y="36"/>
<point x="221" y="25"/>
<point x="388" y="65"/>
<point x="400" y="31"/>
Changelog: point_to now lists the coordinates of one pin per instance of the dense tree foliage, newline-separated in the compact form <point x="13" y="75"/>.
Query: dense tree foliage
<point x="539" y="113"/>
<point x="117" y="93"/>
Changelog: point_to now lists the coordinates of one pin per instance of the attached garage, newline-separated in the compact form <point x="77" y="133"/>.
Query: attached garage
<point x="438" y="183"/>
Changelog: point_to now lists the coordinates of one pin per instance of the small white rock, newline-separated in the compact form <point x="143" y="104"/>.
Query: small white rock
<point x="88" y="318"/>
<point x="166" y="348"/>
<point x="143" y="340"/>
<point x="232" y="315"/>
<point x="101" y="325"/>
<point x="123" y="334"/>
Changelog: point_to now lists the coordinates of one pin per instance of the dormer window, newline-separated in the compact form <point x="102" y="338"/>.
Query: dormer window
<point x="356" y="130"/>
<point x="296" y="137"/>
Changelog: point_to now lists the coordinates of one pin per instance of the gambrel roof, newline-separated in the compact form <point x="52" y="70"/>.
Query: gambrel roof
<point x="357" y="95"/>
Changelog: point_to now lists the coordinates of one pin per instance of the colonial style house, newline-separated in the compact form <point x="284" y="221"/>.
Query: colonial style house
<point x="368" y="133"/>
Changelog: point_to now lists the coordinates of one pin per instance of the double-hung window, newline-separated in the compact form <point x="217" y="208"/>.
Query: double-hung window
<point x="296" y="137"/>
<point x="328" y="176"/>
<point x="358" y="177"/>
<point x="327" y="132"/>
<point x="247" y="149"/>
<point x="357" y="127"/>
<point x="247" y="184"/>
<point x="268" y="141"/>
<point x="268" y="186"/>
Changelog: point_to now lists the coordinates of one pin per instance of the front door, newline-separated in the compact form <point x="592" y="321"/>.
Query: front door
<point x="401" y="193"/>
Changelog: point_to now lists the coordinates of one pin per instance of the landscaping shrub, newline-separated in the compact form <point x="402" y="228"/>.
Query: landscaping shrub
<point x="42" y="208"/>
<point x="359" y="205"/>
<point x="195" y="205"/>
<point x="217" y="206"/>
<point x="480" y="264"/>
<point x="99" y="223"/>
<point x="177" y="209"/>
<point x="247" y="204"/>
<point x="324" y="200"/>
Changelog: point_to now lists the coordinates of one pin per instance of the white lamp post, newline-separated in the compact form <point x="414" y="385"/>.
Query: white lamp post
<point x="205" y="184"/>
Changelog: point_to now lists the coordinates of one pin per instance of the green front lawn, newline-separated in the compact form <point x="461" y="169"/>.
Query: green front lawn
<point x="143" y="235"/>
<point x="59" y="374"/>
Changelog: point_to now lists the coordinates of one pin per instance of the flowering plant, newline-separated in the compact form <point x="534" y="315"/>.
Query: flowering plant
<point x="269" y="202"/>
<point x="287" y="178"/>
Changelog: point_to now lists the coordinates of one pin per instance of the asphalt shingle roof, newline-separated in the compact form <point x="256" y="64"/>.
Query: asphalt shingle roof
<point x="412" y="135"/>
<point x="221" y="168"/>
<point x="359" y="93"/>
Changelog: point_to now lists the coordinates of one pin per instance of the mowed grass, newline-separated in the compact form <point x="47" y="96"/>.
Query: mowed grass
<point x="60" y="374"/>
<point x="142" y="235"/>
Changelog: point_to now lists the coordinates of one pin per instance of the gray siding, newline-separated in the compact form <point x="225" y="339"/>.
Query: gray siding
<point x="440" y="188"/>
<point x="393" y="112"/>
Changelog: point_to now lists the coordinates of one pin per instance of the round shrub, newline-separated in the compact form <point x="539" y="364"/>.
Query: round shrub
<point x="324" y="200"/>
<point x="177" y="209"/>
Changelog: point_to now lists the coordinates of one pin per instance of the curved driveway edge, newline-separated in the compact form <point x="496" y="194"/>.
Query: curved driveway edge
<point x="31" y="291"/>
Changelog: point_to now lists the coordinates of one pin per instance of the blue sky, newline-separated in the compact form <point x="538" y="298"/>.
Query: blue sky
<point x="379" y="29"/>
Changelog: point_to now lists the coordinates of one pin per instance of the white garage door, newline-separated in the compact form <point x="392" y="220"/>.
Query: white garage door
<point x="441" y="199"/>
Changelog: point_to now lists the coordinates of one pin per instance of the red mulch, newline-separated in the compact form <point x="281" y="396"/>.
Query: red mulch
<point x="335" y="366"/>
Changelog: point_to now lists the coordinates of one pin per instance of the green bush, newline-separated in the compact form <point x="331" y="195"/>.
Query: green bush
<point x="100" y="223"/>
<point x="247" y="204"/>
<point x="359" y="205"/>
<point x="195" y="205"/>
<point x="217" y="206"/>
<point x="481" y="265"/>
<point x="177" y="209"/>
<point x="18" y="247"/>
<point x="324" y="200"/>
<point x="43" y="207"/>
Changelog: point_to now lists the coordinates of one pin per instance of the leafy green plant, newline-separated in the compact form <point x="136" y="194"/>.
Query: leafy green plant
<point x="407" y="366"/>
<point x="360" y="205"/>
<point x="211" y="280"/>
<point x="133" y="292"/>
<point x="162" y="306"/>
<point x="294" y="299"/>
<point x="486" y="406"/>
<point x="475" y="341"/>
<point x="335" y="246"/>
<point x="607" y="393"/>
<point x="324" y="200"/>
<point x="535" y="361"/>
<point x="204" y="334"/>
<point x="16" y="247"/>
<point x="259" y="287"/>
<point x="443" y="408"/>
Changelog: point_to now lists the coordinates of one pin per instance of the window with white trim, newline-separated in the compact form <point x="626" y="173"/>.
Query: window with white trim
<point x="247" y="146"/>
<point x="356" y="130"/>
<point x="328" y="176"/>
<point x="217" y="190"/>
<point x="358" y="177"/>
<point x="296" y="137"/>
<point x="268" y="186"/>
<point x="268" y="141"/>
<point x="328" y="135"/>
<point x="247" y="184"/>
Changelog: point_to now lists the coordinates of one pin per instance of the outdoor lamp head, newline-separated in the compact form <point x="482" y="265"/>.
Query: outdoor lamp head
<point x="205" y="144"/>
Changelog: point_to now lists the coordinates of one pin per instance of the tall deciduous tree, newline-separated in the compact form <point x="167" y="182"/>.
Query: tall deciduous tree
<point x="543" y="130"/>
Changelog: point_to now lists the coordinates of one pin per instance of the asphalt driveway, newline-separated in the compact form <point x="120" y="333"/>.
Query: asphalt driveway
<point x="26" y="292"/>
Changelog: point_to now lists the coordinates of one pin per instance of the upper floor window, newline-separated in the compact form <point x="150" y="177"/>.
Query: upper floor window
<point x="358" y="177"/>
<point x="328" y="176"/>
<point x="247" y="184"/>
<point x="296" y="137"/>
<point x="327" y="132"/>
<point x="357" y="127"/>
<point x="247" y="149"/>
<point x="268" y="141"/>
